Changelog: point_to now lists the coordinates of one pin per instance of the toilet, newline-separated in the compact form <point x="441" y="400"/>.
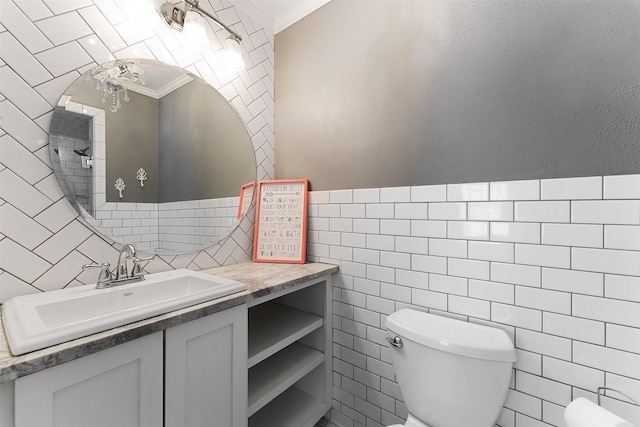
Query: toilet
<point x="451" y="373"/>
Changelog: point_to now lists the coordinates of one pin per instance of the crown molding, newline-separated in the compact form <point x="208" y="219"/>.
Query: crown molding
<point x="159" y="93"/>
<point x="305" y="8"/>
<point x="251" y="10"/>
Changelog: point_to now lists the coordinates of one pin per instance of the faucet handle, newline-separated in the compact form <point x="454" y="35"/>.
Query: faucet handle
<point x="104" y="278"/>
<point x="137" y="268"/>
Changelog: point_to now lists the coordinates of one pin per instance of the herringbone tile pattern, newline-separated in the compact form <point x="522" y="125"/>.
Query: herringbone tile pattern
<point x="44" y="46"/>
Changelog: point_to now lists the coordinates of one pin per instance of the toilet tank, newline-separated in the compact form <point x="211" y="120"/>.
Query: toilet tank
<point x="451" y="373"/>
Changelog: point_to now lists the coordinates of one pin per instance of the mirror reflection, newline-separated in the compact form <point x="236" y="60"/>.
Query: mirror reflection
<point x="157" y="160"/>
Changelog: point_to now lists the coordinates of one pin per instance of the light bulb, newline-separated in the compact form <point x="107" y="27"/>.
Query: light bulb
<point x="194" y="33"/>
<point x="233" y="55"/>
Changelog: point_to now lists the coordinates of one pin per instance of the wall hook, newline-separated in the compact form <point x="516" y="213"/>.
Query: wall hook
<point x="141" y="176"/>
<point x="120" y="186"/>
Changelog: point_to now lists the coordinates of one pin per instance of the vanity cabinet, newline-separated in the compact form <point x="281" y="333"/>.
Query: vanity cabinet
<point x="119" y="386"/>
<point x="265" y="362"/>
<point x="190" y="375"/>
<point x="289" y="357"/>
<point x="206" y="371"/>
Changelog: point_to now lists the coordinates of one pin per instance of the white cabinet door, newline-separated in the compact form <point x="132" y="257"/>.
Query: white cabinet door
<point x="120" y="386"/>
<point x="206" y="371"/>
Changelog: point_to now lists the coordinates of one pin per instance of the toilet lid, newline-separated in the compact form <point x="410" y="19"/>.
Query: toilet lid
<point x="452" y="335"/>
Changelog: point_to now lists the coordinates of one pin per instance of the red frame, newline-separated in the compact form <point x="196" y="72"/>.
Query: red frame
<point x="243" y="190"/>
<point x="260" y="215"/>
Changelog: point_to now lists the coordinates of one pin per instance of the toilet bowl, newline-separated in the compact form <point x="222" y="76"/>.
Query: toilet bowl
<point x="450" y="373"/>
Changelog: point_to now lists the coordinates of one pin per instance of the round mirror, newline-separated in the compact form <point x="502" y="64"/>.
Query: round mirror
<point x="152" y="155"/>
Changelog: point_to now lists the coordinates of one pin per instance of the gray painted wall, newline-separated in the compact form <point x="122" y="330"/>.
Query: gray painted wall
<point x="132" y="134"/>
<point x="133" y="144"/>
<point x="205" y="149"/>
<point x="397" y="93"/>
<point x="202" y="154"/>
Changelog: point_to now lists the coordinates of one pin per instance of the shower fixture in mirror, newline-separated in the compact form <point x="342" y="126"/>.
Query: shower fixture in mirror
<point x="175" y="128"/>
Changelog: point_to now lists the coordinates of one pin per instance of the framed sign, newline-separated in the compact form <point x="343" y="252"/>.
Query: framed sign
<point x="280" y="232"/>
<point x="246" y="194"/>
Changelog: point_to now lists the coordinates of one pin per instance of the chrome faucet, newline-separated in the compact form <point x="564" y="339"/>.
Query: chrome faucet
<point x="106" y="280"/>
<point x="128" y="251"/>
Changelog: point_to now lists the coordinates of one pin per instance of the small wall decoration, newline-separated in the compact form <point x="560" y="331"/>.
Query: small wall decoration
<point x="280" y="232"/>
<point x="120" y="186"/>
<point x="246" y="195"/>
<point x="141" y="176"/>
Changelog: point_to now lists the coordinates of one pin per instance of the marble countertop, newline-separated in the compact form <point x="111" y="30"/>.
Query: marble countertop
<point x="261" y="279"/>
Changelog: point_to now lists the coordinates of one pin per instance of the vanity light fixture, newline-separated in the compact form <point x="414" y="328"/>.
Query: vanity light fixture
<point x="194" y="30"/>
<point x="189" y="19"/>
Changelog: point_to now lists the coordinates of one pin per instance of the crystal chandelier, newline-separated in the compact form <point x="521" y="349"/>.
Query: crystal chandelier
<point x="112" y="79"/>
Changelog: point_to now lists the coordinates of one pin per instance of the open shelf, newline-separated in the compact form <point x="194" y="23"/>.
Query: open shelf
<point x="277" y="373"/>
<point x="293" y="408"/>
<point x="273" y="327"/>
<point x="289" y="358"/>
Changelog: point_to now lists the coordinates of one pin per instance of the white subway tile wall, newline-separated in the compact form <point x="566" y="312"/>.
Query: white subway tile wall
<point x="170" y="227"/>
<point x="44" y="47"/>
<point x="555" y="263"/>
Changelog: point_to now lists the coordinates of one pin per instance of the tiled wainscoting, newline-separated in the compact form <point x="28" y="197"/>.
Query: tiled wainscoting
<point x="555" y="263"/>
<point x="190" y="225"/>
<point x="170" y="227"/>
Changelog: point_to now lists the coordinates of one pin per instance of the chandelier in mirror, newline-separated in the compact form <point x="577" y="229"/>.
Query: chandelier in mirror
<point x="116" y="77"/>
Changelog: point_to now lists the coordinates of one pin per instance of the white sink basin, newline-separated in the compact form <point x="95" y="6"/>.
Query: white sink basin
<point x="36" y="321"/>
